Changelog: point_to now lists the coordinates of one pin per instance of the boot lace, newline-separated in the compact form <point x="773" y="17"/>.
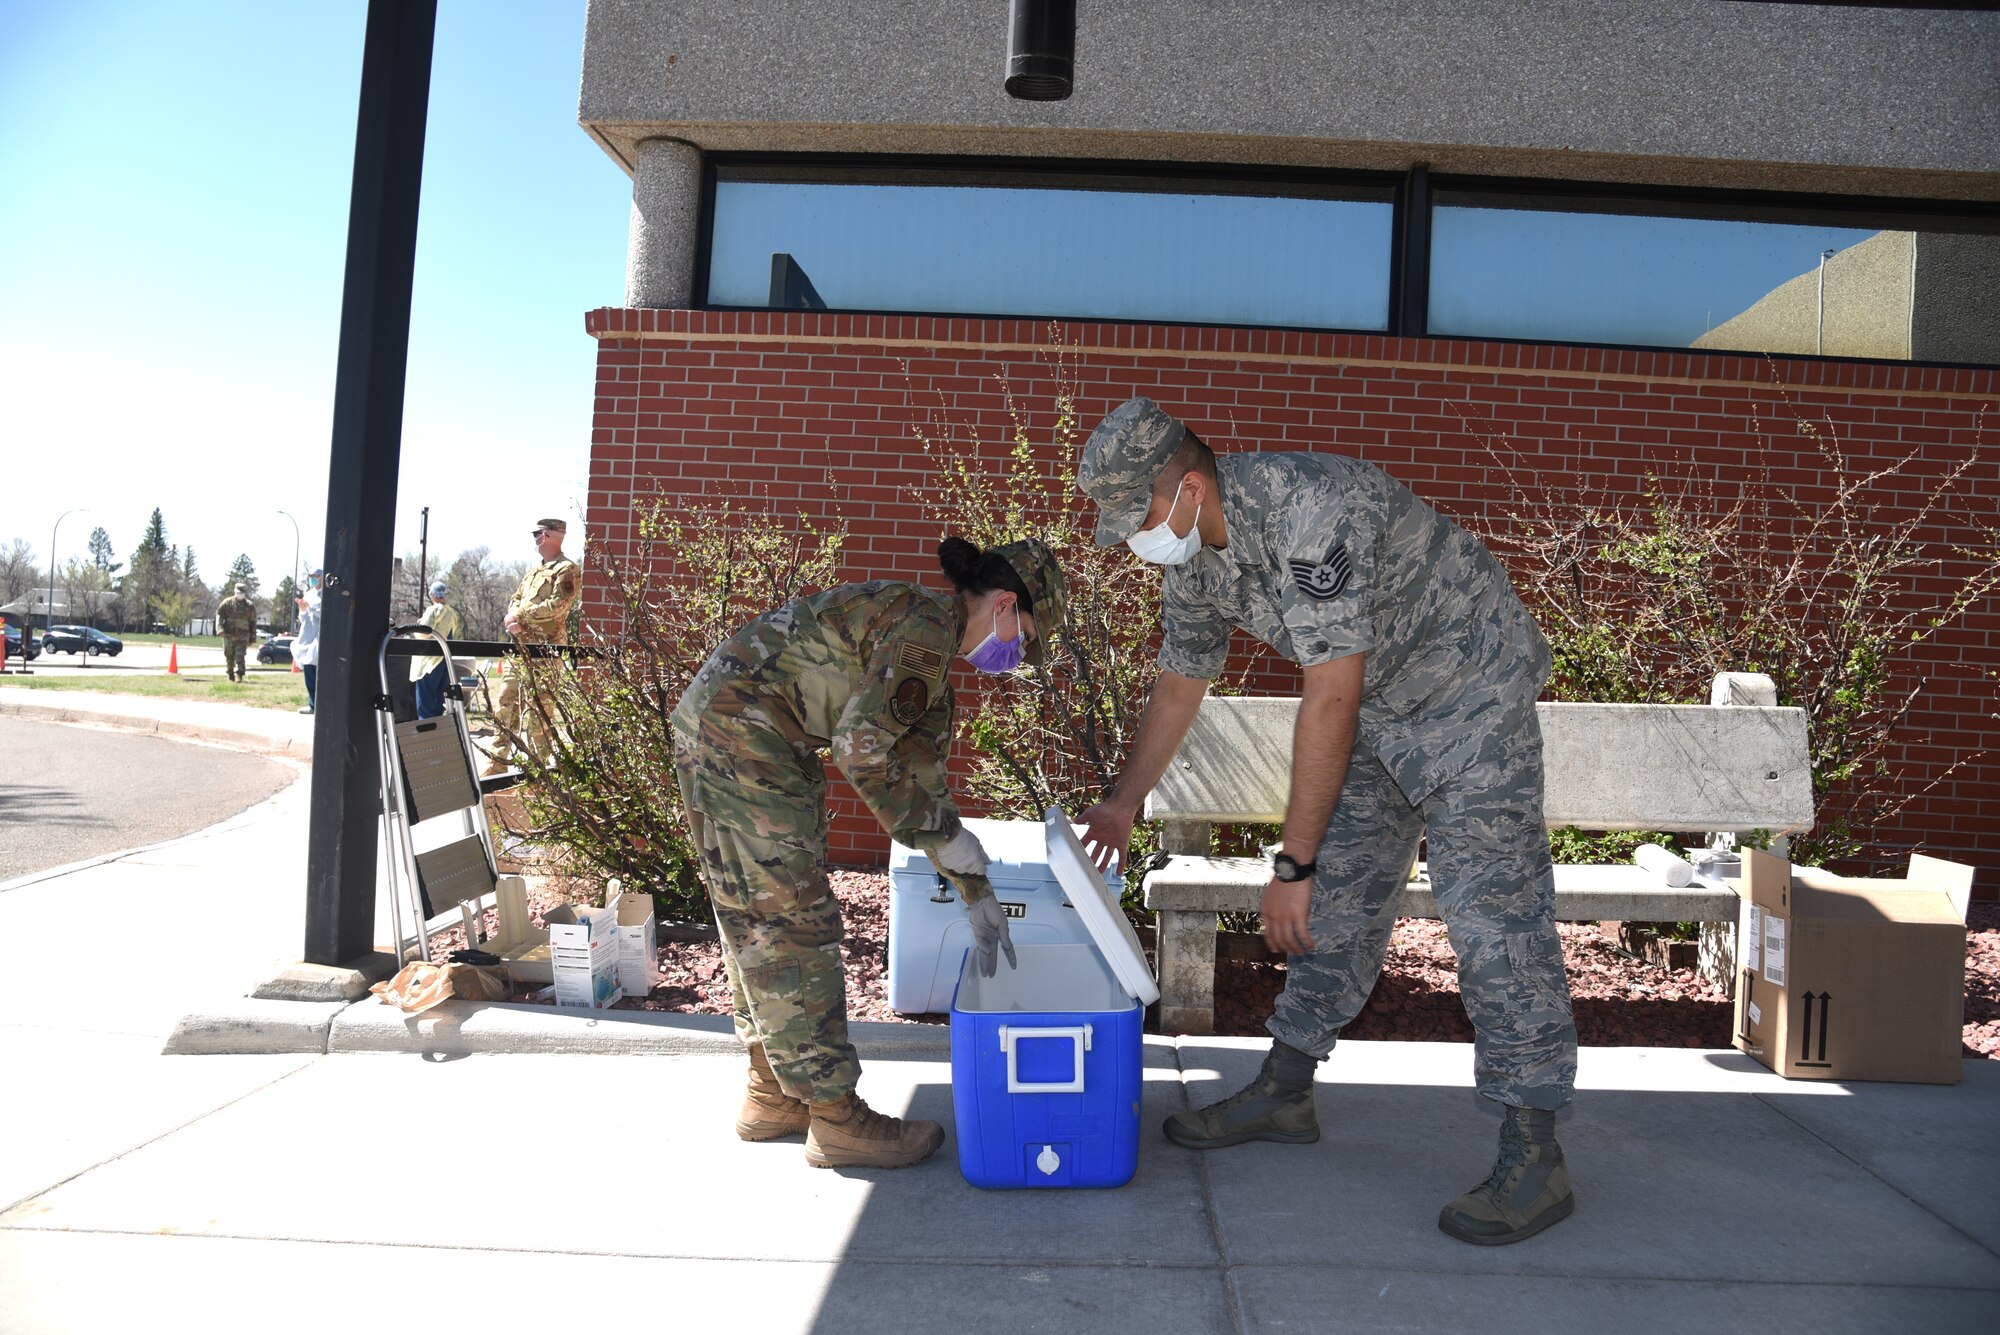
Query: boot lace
<point x="1513" y="1153"/>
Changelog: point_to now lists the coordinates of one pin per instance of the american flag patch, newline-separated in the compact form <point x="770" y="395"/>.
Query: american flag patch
<point x="1323" y="581"/>
<point x="921" y="659"/>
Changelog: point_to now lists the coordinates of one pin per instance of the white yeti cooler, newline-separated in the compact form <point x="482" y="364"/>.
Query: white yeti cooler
<point x="928" y="931"/>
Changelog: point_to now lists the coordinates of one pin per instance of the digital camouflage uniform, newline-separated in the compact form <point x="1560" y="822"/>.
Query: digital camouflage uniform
<point x="541" y="604"/>
<point x="1329" y="557"/>
<point x="236" y="618"/>
<point x="860" y="671"/>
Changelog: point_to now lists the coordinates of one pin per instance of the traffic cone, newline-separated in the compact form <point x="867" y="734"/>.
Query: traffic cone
<point x="295" y="665"/>
<point x="174" y="659"/>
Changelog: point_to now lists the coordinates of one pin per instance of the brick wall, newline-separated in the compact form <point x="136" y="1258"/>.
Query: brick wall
<point x="816" y="412"/>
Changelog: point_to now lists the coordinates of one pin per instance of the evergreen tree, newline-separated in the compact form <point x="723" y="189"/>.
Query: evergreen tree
<point x="154" y="566"/>
<point x="241" y="572"/>
<point x="284" y="612"/>
<point x="101" y="553"/>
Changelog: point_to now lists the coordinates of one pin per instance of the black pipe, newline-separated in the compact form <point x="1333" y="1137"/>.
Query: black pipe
<point x="361" y="479"/>
<point x="1041" y="49"/>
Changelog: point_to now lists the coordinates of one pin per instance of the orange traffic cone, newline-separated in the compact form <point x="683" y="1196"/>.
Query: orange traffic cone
<point x="295" y="665"/>
<point x="174" y="659"/>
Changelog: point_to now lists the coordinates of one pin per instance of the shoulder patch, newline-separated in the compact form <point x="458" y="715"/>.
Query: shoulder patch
<point x="1323" y="581"/>
<point x="921" y="659"/>
<point x="910" y="700"/>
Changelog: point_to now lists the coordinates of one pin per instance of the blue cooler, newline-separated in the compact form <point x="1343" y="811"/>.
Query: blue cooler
<point x="1045" y="1058"/>
<point x="928" y="933"/>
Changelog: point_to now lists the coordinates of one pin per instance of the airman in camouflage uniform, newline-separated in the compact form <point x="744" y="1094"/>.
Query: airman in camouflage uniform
<point x="236" y="618"/>
<point x="538" y="613"/>
<point x="1324" y="557"/>
<point x="858" y="671"/>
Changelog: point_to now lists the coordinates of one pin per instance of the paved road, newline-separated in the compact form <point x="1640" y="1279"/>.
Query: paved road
<point x="69" y="792"/>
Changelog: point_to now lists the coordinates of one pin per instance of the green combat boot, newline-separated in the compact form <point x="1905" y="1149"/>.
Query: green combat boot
<point x="1527" y="1191"/>
<point x="1277" y="1105"/>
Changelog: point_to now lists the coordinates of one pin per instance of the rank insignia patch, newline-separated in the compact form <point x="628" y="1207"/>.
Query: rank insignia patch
<point x="1323" y="582"/>
<point x="910" y="701"/>
<point x="921" y="659"/>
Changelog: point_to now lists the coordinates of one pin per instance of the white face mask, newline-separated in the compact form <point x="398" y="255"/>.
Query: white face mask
<point x="1161" y="545"/>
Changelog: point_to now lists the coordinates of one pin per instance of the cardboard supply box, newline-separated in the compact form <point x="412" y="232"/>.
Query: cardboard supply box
<point x="585" y="958"/>
<point x="638" y="942"/>
<point x="1851" y="979"/>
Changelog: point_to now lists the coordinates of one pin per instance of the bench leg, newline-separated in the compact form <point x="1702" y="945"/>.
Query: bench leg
<point x="1715" y="959"/>
<point x="1187" y="972"/>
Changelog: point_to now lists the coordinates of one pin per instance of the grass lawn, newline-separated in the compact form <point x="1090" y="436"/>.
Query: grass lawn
<point x="267" y="688"/>
<point x="206" y="641"/>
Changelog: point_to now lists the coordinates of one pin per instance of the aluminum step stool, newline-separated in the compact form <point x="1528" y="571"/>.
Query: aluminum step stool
<point x="429" y="772"/>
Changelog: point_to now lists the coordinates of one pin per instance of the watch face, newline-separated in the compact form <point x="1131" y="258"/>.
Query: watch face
<point x="1286" y="868"/>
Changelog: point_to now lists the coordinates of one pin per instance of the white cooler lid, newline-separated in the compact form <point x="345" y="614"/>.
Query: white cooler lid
<point x="1098" y="907"/>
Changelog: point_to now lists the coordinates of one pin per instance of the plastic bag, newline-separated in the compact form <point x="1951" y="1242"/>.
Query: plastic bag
<point x="419" y="986"/>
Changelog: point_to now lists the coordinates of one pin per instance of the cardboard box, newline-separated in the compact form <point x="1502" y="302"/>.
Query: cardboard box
<point x="1842" y="978"/>
<point x="584" y="954"/>
<point x="638" y="943"/>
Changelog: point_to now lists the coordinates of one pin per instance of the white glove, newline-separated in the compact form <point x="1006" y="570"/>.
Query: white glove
<point x="962" y="854"/>
<point x="989" y="935"/>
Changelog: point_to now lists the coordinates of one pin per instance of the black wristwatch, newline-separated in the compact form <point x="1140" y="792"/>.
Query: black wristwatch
<point x="1283" y="868"/>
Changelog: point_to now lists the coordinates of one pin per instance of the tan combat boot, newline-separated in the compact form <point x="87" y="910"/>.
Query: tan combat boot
<point x="768" y="1111"/>
<point x="1527" y="1191"/>
<point x="847" y="1133"/>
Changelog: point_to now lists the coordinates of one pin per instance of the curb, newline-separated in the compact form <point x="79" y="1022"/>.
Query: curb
<point x="232" y="738"/>
<point x="251" y="1025"/>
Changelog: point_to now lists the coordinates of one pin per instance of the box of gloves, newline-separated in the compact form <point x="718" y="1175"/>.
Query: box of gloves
<point x="928" y="933"/>
<point x="1045" y="1053"/>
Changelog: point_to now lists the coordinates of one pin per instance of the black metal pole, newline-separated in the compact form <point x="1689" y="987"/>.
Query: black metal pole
<point x="361" y="481"/>
<point x="423" y="563"/>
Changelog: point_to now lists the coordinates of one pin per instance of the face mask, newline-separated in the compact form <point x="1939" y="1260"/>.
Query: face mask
<point x="995" y="654"/>
<point x="1162" y="546"/>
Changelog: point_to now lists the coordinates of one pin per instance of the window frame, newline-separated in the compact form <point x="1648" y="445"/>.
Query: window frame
<point x="1412" y="197"/>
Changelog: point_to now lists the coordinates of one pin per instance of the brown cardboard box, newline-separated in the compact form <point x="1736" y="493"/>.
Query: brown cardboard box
<point x="1850" y="979"/>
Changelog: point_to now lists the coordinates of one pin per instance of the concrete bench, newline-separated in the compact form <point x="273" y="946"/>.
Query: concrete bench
<point x="1740" y="767"/>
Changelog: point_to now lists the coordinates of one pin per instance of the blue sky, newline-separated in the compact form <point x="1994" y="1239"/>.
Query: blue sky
<point x="174" y="178"/>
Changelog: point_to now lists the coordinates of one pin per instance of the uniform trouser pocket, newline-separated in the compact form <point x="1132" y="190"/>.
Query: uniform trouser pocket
<point x="1495" y="888"/>
<point x="781" y="934"/>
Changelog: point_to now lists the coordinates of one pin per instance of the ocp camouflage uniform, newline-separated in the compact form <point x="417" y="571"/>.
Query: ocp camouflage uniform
<point x="236" y="618"/>
<point x="541" y="603"/>
<point x="1329" y="557"/>
<point x="858" y="670"/>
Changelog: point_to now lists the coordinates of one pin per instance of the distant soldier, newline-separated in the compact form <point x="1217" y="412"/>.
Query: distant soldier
<point x="538" y="613"/>
<point x="236" y="617"/>
<point x="859" y="671"/>
<point x="1417" y="721"/>
<point x="429" y="678"/>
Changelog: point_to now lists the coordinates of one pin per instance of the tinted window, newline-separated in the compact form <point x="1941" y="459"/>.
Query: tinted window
<point x="1197" y="257"/>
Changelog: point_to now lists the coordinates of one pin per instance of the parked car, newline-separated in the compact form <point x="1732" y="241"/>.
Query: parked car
<point x="81" y="640"/>
<point x="277" y="649"/>
<point x="24" y="647"/>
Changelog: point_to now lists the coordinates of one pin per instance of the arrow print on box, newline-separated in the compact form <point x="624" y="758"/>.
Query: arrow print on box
<point x="1806" y="1032"/>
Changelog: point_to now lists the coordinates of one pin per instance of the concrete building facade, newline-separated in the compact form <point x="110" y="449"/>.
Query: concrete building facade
<point x="1882" y="122"/>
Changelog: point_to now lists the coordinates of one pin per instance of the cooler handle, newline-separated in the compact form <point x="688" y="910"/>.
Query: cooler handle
<point x="1078" y="1034"/>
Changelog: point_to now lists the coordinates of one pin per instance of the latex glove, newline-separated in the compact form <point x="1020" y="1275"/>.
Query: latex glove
<point x="963" y="854"/>
<point x="989" y="935"/>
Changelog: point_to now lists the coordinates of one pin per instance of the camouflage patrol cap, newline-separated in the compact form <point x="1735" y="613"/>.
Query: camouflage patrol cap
<point x="552" y="525"/>
<point x="241" y="587"/>
<point x="1043" y="579"/>
<point x="1121" y="459"/>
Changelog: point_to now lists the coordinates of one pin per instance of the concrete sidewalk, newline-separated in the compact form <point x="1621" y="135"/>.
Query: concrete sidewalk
<point x="459" y="1178"/>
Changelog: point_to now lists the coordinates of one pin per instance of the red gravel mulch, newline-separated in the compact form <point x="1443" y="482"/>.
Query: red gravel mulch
<point x="1620" y="1000"/>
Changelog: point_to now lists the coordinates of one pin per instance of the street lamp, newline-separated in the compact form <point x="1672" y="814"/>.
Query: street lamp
<point x="49" y="612"/>
<point x="1819" y="334"/>
<point x="293" y="611"/>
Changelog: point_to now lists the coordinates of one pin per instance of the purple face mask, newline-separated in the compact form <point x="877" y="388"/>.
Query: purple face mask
<point x="994" y="654"/>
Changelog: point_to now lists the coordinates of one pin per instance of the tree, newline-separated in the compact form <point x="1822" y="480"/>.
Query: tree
<point x="100" y="552"/>
<point x="153" y="565"/>
<point x="241" y="572"/>
<point x="479" y="592"/>
<point x="284" y="612"/>
<point x="18" y="572"/>
<point x="87" y="592"/>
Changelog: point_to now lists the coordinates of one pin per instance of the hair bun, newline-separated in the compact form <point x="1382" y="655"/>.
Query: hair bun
<point x="959" y="560"/>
